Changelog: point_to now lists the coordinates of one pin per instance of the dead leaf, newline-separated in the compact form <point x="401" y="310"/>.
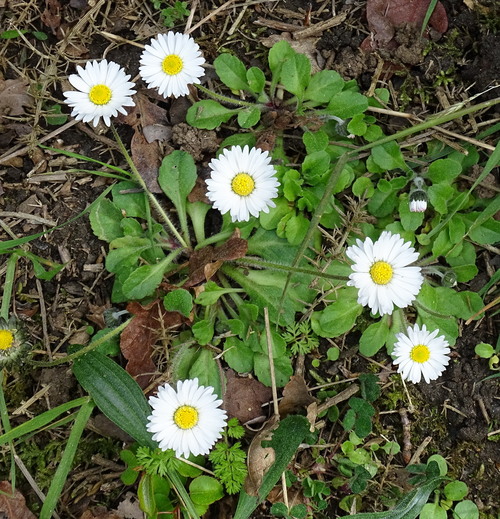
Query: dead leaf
<point x="260" y="459"/>
<point x="246" y="396"/>
<point x="206" y="261"/>
<point x="139" y="337"/>
<point x="51" y="16"/>
<point x="14" y="97"/>
<point x="99" y="512"/>
<point x="149" y="122"/>
<point x="146" y="157"/>
<point x="384" y="16"/>
<point x="296" y="397"/>
<point x="13" y="504"/>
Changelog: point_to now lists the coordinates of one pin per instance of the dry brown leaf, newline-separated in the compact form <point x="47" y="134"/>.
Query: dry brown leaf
<point x="245" y="397"/>
<point x="260" y="459"/>
<point x="213" y="257"/>
<point x="13" y="504"/>
<point x="99" y="512"/>
<point x="384" y="16"/>
<point x="51" y="16"/>
<point x="138" y="338"/>
<point x="14" y="97"/>
<point x="296" y="397"/>
<point x="146" y="157"/>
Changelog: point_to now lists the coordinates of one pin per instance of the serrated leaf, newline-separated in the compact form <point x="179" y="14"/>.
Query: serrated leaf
<point x="295" y="74"/>
<point x="143" y="281"/>
<point x="323" y="86"/>
<point x="105" y="219"/>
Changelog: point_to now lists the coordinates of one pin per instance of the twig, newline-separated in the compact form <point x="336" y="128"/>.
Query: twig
<point x="420" y="449"/>
<point x="334" y="400"/>
<point x="271" y="361"/>
<point x="406" y="435"/>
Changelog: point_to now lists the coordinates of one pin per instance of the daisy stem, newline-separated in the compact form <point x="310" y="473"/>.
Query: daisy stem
<point x="215" y="238"/>
<point x="4" y="416"/>
<point x="225" y="99"/>
<point x="287" y="268"/>
<point x="153" y="200"/>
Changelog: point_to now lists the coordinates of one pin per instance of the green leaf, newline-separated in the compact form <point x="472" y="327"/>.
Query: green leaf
<point x="388" y="156"/>
<point x="205" y="490"/>
<point x="484" y="350"/>
<point x="373" y="338"/>
<point x="323" y="86"/>
<point x="206" y="370"/>
<point x="315" y="141"/>
<point x="439" y="196"/>
<point x="466" y="510"/>
<point x="131" y="204"/>
<point x="456" y="490"/>
<point x="444" y="170"/>
<point x="296" y="229"/>
<point x="105" y="219"/>
<point x="283" y="369"/>
<point x="295" y="74"/>
<point x="238" y="355"/>
<point x="11" y="34"/>
<point x="433" y="511"/>
<point x="116" y="394"/>
<point x="277" y="55"/>
<point x="203" y="331"/>
<point x="231" y="71"/>
<point x="248" y="117"/>
<point x="212" y="293"/>
<point x="256" y="80"/>
<point x="208" y="114"/>
<point x="143" y="281"/>
<point x="338" y="317"/>
<point x="347" y="104"/>
<point x="382" y="203"/>
<point x="179" y="300"/>
<point x="177" y="177"/>
<point x="409" y="507"/>
<point x="363" y="188"/>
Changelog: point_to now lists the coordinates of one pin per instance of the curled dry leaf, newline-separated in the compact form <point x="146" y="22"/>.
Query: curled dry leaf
<point x="12" y="503"/>
<point x="246" y="396"/>
<point x="139" y="337"/>
<point x="260" y="459"/>
<point x="296" y="397"/>
<point x="150" y="124"/>
<point x="205" y="262"/>
<point x="14" y="97"/>
<point x="51" y="16"/>
<point x="385" y="16"/>
<point x="99" y="512"/>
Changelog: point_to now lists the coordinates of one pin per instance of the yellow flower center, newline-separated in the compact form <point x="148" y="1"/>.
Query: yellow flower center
<point x="6" y="339"/>
<point x="420" y="353"/>
<point x="172" y="65"/>
<point x="100" y="94"/>
<point x="381" y="272"/>
<point x="186" y="417"/>
<point x="243" y="184"/>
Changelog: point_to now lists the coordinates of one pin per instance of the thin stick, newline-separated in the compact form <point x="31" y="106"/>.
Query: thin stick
<point x="271" y="361"/>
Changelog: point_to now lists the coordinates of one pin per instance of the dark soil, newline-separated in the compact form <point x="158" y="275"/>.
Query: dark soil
<point x="458" y="411"/>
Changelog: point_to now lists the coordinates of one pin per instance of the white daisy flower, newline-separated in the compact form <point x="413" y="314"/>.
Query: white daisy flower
<point x="188" y="420"/>
<point x="418" y="206"/>
<point x="420" y="353"/>
<point x="243" y="182"/>
<point x="381" y="272"/>
<point x="103" y="90"/>
<point x="170" y="63"/>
